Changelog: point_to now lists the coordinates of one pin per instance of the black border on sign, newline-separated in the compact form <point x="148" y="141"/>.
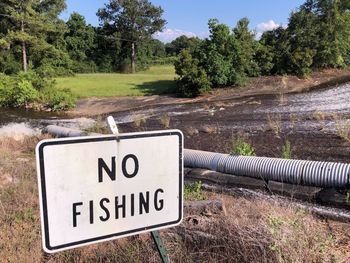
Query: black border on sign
<point x="97" y="139"/>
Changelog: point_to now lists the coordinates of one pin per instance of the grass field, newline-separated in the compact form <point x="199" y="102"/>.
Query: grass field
<point x="155" y="81"/>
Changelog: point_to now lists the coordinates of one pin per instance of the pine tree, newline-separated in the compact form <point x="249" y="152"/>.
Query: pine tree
<point x="135" y="20"/>
<point x="30" y="24"/>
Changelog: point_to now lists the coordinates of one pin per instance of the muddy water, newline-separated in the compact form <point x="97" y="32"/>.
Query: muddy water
<point x="252" y="113"/>
<point x="336" y="99"/>
<point x="19" y="122"/>
<point x="22" y="115"/>
<point x="249" y="113"/>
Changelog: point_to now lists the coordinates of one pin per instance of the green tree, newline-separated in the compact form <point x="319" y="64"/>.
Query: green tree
<point x="303" y="37"/>
<point x="135" y="20"/>
<point x="278" y="42"/>
<point x="174" y="47"/>
<point x="193" y="79"/>
<point x="217" y="53"/>
<point x="107" y="54"/>
<point x="264" y="58"/>
<point x="247" y="46"/>
<point x="33" y="29"/>
<point x="80" y="41"/>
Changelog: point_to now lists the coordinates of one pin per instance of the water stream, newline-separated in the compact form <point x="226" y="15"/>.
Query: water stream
<point x="332" y="100"/>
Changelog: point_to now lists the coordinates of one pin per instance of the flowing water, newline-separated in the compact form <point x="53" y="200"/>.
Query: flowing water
<point x="331" y="100"/>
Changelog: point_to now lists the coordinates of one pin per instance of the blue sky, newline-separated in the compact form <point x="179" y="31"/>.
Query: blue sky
<point x="190" y="17"/>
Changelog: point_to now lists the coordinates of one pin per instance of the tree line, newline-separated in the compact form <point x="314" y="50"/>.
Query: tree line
<point x="37" y="45"/>
<point x="316" y="37"/>
<point x="34" y="39"/>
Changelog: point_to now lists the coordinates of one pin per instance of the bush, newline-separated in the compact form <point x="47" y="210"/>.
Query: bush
<point x="193" y="79"/>
<point x="241" y="147"/>
<point x="24" y="88"/>
<point x="6" y="90"/>
<point x="49" y="71"/>
<point x="84" y="67"/>
<point x="194" y="191"/>
<point x="162" y="61"/>
<point x="39" y="82"/>
<point x="16" y="92"/>
<point x="218" y="68"/>
<point x="302" y="62"/>
<point x="23" y="93"/>
<point x="58" y="99"/>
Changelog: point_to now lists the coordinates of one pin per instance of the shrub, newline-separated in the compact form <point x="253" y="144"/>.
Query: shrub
<point x="165" y="121"/>
<point x="38" y="81"/>
<point x="23" y="93"/>
<point x="47" y="70"/>
<point x="193" y="79"/>
<point x="6" y="90"/>
<point x="16" y="92"/>
<point x="241" y="147"/>
<point x="302" y="61"/>
<point x="58" y="99"/>
<point x="194" y="191"/>
<point x="162" y="61"/>
<point x="84" y="67"/>
<point x="28" y="87"/>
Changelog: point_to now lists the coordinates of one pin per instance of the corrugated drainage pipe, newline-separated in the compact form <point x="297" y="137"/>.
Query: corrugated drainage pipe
<point x="309" y="173"/>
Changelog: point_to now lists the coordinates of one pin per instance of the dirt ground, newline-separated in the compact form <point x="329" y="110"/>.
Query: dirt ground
<point x="255" y="86"/>
<point x="312" y="114"/>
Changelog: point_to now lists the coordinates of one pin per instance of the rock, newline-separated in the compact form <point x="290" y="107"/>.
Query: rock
<point x="205" y="208"/>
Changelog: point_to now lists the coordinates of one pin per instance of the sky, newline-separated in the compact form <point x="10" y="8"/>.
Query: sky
<point x="190" y="17"/>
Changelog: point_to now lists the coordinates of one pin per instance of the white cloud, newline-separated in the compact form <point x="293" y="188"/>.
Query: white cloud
<point x="265" y="26"/>
<point x="169" y="34"/>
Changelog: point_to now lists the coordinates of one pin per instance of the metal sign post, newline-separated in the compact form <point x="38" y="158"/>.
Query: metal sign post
<point x="155" y="234"/>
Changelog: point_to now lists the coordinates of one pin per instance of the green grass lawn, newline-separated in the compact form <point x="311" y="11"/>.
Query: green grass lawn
<point x="155" y="81"/>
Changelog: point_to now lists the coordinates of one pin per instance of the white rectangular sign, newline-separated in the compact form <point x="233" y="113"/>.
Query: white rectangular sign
<point x="94" y="189"/>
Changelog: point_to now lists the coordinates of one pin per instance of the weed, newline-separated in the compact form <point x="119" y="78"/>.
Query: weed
<point x="275" y="124"/>
<point x="281" y="96"/>
<point x="99" y="126"/>
<point x="165" y="121"/>
<point x="242" y="147"/>
<point x="322" y="115"/>
<point x="274" y="224"/>
<point x="287" y="150"/>
<point x="342" y="127"/>
<point x="194" y="191"/>
<point x="293" y="118"/>
<point x="192" y="131"/>
<point x="138" y="120"/>
<point x="319" y="115"/>
<point x="282" y="100"/>
<point x="347" y="197"/>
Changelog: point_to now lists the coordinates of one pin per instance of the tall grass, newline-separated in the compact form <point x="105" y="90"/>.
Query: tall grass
<point x="251" y="230"/>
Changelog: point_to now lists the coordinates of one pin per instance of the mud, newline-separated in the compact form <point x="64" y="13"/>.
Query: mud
<point x="316" y="123"/>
